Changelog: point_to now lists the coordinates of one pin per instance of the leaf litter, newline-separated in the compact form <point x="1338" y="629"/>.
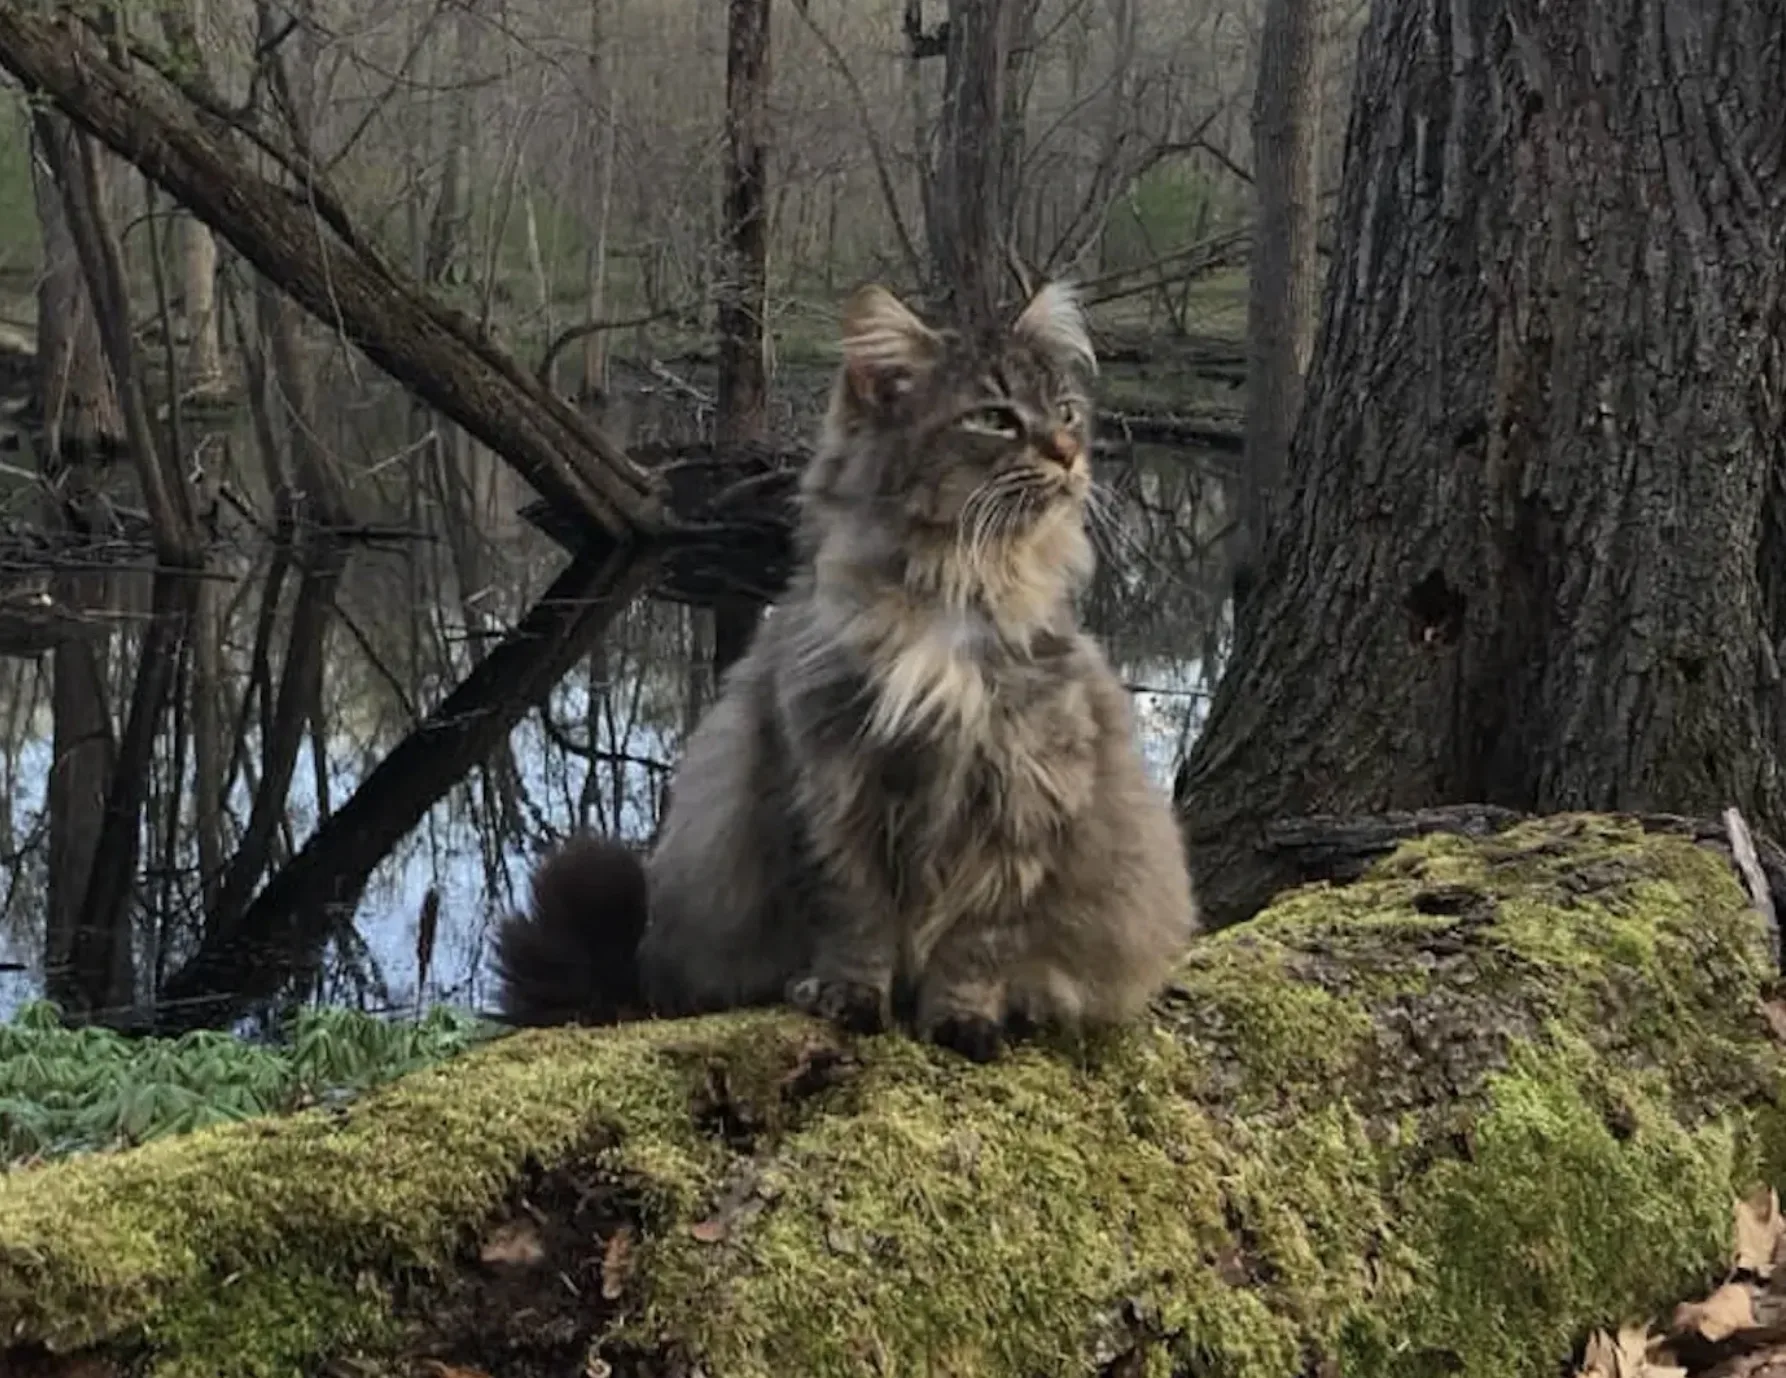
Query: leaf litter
<point x="1738" y="1330"/>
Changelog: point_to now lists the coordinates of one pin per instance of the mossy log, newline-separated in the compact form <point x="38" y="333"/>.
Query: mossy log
<point x="1445" y="1118"/>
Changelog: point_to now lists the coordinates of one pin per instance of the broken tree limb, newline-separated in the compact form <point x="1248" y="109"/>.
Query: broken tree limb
<point x="282" y="932"/>
<point x="1336" y="847"/>
<point x="1496" y="1093"/>
<point x="436" y="352"/>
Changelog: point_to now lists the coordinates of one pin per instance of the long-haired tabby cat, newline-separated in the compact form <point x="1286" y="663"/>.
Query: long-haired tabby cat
<point x="919" y="791"/>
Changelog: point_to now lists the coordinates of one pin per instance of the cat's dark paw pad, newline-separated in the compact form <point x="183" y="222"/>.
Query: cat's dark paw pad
<point x="976" y="1039"/>
<point x="852" y="1006"/>
<point x="1021" y="1026"/>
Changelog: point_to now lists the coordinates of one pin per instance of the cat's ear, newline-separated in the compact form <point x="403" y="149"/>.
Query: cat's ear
<point x="1054" y="323"/>
<point x="885" y="346"/>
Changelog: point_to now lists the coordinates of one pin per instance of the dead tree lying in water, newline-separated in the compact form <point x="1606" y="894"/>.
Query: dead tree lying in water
<point x="281" y="933"/>
<point x="1450" y="1114"/>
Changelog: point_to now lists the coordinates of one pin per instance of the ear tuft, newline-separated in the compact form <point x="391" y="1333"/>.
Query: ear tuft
<point x="1055" y="323"/>
<point x="885" y="345"/>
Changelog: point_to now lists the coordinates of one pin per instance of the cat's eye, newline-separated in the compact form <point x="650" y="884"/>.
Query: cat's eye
<point x="1000" y="421"/>
<point x="1067" y="412"/>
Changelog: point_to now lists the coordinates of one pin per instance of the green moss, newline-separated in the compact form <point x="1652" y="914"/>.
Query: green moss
<point x="822" y="1283"/>
<point x="290" y="1213"/>
<point x="1286" y="1036"/>
<point x="1556" y="1217"/>
<point x="1283" y="1165"/>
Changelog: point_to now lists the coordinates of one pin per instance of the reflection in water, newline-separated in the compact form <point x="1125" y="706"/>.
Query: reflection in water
<point x="576" y="728"/>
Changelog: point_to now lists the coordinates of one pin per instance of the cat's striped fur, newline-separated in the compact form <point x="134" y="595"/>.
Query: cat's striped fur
<point x="919" y="790"/>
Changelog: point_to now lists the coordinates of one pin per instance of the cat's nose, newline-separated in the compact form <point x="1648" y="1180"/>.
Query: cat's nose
<point x="1059" y="445"/>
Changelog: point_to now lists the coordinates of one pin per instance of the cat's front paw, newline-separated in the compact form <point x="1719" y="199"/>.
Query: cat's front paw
<point x="977" y="1039"/>
<point x="851" y="1005"/>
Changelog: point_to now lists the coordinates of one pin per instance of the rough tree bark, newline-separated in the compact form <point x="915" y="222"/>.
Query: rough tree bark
<point x="1533" y="534"/>
<point x="743" y="392"/>
<point x="972" y="184"/>
<point x="1446" y="1119"/>
<point x="303" y="241"/>
<point x="1283" y="286"/>
<point x="84" y="750"/>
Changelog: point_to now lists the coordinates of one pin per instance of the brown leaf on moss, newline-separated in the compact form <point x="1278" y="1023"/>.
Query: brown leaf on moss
<point x="1726" y="1311"/>
<point x="740" y="1201"/>
<point x="515" y="1243"/>
<point x="1775" y="1013"/>
<point x="1759" y="1232"/>
<point x="617" y="1264"/>
<point x="1634" y="1354"/>
<point x="434" y="1368"/>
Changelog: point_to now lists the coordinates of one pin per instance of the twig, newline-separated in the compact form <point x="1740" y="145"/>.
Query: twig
<point x="568" y="337"/>
<point x="1742" y="848"/>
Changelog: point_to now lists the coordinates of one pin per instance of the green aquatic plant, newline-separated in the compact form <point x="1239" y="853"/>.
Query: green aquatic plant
<point x="69" y="1090"/>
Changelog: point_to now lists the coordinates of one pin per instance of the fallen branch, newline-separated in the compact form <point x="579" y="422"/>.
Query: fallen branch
<point x="1153" y="429"/>
<point x="283" y="931"/>
<point x="1495" y="1095"/>
<point x="436" y="352"/>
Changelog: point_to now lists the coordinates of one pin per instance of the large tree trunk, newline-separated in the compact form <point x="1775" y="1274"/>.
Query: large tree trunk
<point x="1531" y="546"/>
<point x="304" y="241"/>
<point x="1282" y="286"/>
<point x="1444" y="1120"/>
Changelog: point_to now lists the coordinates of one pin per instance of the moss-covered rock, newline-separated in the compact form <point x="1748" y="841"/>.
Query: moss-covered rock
<point x="1441" y="1120"/>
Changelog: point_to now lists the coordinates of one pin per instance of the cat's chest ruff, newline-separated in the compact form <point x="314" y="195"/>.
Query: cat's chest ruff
<point x="996" y="736"/>
<point x="930" y="676"/>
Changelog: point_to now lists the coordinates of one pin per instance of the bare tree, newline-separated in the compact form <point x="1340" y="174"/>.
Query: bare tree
<point x="75" y="398"/>
<point x="742" y="414"/>
<point x="979" y="139"/>
<point x="1282" y="293"/>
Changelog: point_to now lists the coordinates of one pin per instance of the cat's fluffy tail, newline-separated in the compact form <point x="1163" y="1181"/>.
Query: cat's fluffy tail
<point x="573" y="957"/>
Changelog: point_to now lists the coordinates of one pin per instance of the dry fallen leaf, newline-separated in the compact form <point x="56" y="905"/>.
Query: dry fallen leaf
<point x="1730" y="1309"/>
<point x="617" y="1264"/>
<point x="708" y="1231"/>
<point x="1775" y="1013"/>
<point x="1759" y="1231"/>
<point x="1629" y="1356"/>
<point x="516" y="1243"/>
<point x="435" y="1369"/>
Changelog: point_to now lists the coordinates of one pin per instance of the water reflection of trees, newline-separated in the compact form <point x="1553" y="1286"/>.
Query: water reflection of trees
<point x="293" y="669"/>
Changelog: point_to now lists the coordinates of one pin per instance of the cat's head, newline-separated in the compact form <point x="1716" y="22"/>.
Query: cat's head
<point x="977" y="447"/>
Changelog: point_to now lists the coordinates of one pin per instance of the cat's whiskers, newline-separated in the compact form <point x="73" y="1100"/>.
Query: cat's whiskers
<point x="983" y="518"/>
<point x="1109" y="527"/>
